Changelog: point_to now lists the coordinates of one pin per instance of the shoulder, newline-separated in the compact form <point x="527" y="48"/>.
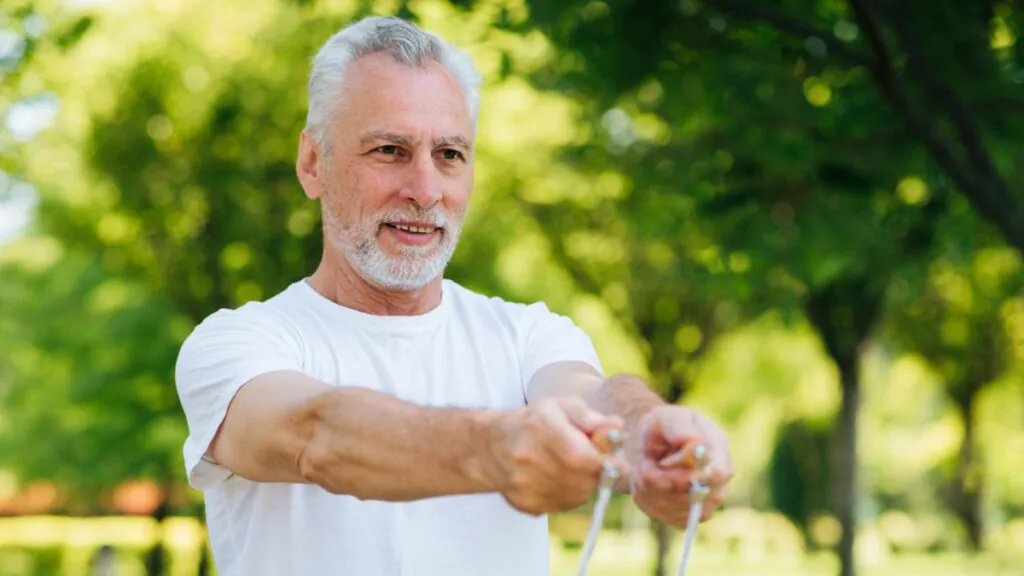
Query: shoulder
<point x="524" y="320"/>
<point x="465" y="300"/>
<point x="542" y="337"/>
<point x="253" y="325"/>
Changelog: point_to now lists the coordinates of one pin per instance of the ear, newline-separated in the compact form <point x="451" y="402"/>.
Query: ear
<point x="309" y="165"/>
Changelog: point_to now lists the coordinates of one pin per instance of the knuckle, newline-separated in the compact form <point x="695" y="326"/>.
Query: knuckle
<point x="520" y="484"/>
<point x="523" y="456"/>
<point x="533" y="506"/>
<point x="578" y="462"/>
<point x="574" y="499"/>
<point x="583" y="492"/>
<point x="576" y="402"/>
<point x="534" y="422"/>
<point x="526" y="505"/>
<point x="580" y="453"/>
<point x="578" y="501"/>
<point x="567" y="400"/>
<point x="550" y="405"/>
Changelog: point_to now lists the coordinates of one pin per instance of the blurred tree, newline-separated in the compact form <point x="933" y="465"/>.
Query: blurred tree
<point x="754" y="170"/>
<point x="949" y="72"/>
<point x="838" y="247"/>
<point x="177" y="199"/>
<point x="799" y="473"/>
<point x="27" y="105"/>
<point x="88" y="410"/>
<point x="791" y="140"/>
<point x="952" y="314"/>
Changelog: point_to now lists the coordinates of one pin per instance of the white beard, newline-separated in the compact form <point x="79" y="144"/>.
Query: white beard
<point x="413" y="268"/>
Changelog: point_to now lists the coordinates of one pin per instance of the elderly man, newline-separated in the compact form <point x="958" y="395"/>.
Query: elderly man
<point x="378" y="419"/>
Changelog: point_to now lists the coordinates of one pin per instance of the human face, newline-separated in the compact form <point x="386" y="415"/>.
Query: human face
<point x="396" y="179"/>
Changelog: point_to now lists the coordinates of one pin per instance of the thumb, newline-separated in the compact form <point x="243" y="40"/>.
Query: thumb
<point x="588" y="420"/>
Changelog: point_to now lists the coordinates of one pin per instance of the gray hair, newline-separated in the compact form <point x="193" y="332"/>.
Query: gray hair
<point x="407" y="43"/>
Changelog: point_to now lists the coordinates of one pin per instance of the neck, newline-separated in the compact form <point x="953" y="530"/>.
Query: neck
<point x="336" y="280"/>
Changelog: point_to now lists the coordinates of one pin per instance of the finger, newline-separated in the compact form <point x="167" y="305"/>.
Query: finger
<point x="681" y="480"/>
<point x="667" y="431"/>
<point x="659" y="480"/>
<point x="570" y="446"/>
<point x="669" y="510"/>
<point x="651" y="439"/>
<point x="706" y="476"/>
<point x="712" y="503"/>
<point x="651" y="488"/>
<point x="693" y="454"/>
<point x="621" y="465"/>
<point x="722" y="460"/>
<point x="718" y="443"/>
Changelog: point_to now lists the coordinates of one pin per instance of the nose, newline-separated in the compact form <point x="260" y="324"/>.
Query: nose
<point x="423" y="185"/>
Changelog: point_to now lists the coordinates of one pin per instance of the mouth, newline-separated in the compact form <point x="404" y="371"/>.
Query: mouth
<point x="413" y="229"/>
<point x="414" y="234"/>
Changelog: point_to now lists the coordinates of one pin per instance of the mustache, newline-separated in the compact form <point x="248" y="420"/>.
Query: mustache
<point x="434" y="218"/>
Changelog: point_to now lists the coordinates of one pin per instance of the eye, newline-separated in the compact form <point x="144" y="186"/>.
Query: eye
<point x="450" y="154"/>
<point x="388" y="149"/>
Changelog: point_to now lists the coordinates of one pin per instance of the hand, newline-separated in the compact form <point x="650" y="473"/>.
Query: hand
<point x="544" y="460"/>
<point x="662" y="490"/>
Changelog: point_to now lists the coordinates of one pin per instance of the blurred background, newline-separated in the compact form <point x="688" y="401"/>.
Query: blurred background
<point x="805" y="217"/>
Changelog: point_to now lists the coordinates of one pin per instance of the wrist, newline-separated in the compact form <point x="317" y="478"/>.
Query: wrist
<point x="486" y="431"/>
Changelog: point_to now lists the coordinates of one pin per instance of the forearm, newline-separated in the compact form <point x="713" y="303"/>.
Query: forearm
<point x="374" y="446"/>
<point x="631" y="399"/>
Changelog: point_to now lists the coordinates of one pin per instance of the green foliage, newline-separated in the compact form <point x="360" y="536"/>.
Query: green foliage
<point x="93" y="406"/>
<point x="811" y="147"/>
<point x="692" y="181"/>
<point x="799" y="472"/>
<point x="184" y="202"/>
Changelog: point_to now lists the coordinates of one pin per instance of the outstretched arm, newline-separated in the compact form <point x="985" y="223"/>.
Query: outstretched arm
<point x="284" y="426"/>
<point x="287" y="427"/>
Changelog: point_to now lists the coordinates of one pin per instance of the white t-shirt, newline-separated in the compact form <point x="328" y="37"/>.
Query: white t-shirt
<point x="471" y="351"/>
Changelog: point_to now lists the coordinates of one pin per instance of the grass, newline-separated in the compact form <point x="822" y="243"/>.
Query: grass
<point x="66" y="544"/>
<point x="619" y="555"/>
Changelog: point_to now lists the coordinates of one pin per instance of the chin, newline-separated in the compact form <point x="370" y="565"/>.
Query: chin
<point x="397" y="283"/>
<point x="406" y="269"/>
<point x="400" y="275"/>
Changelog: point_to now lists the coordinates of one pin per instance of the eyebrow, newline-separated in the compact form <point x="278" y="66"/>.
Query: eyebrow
<point x="452" y="141"/>
<point x="439" y="142"/>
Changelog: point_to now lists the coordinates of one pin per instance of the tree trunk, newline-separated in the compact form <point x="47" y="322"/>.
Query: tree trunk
<point x="204" y="560"/>
<point x="845" y="462"/>
<point x="661" y="536"/>
<point x="843" y="313"/>
<point x="156" y="558"/>
<point x="967" y="500"/>
<point x="104" y="562"/>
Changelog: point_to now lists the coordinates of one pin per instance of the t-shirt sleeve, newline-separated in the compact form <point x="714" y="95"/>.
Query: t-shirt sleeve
<point x="548" y="337"/>
<point x="226" y="350"/>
